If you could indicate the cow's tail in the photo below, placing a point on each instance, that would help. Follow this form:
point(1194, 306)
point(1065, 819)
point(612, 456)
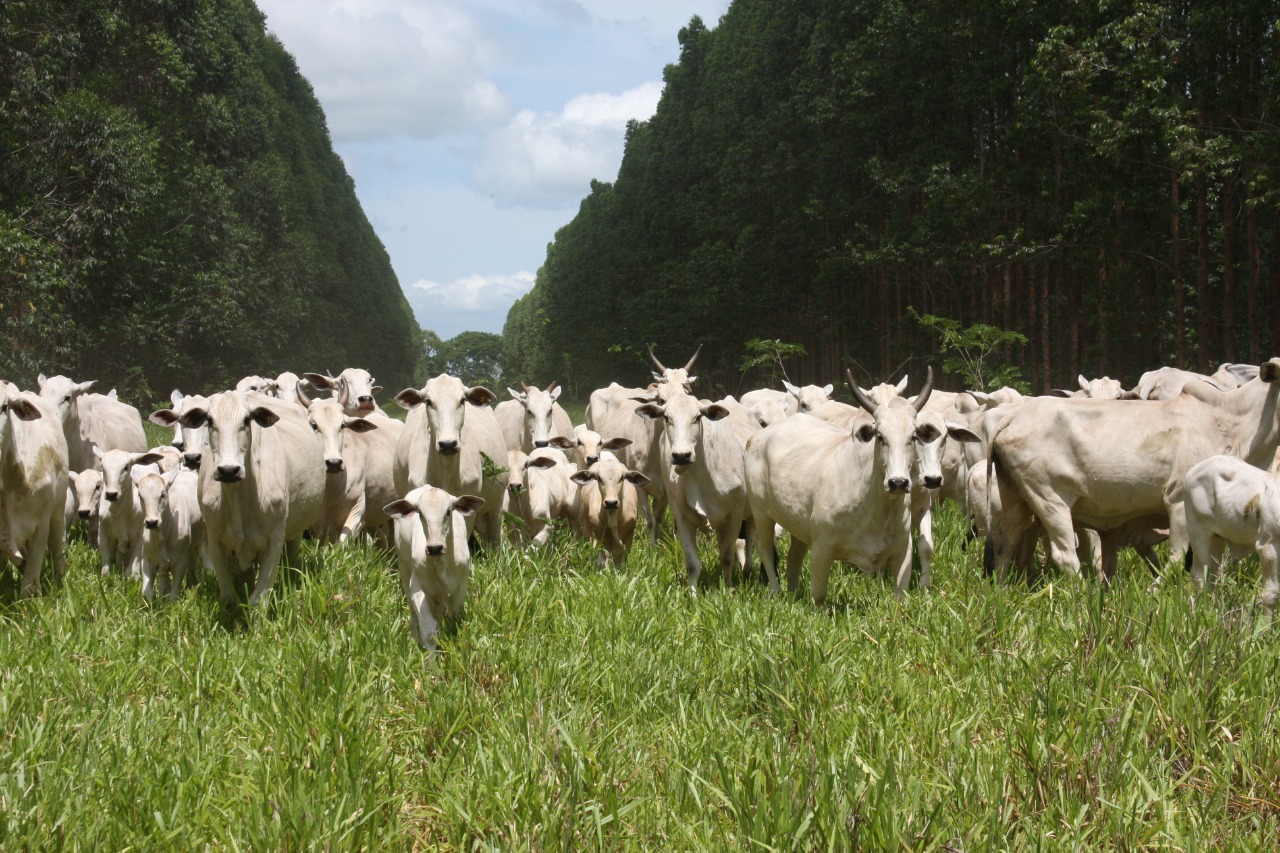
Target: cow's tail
point(988, 549)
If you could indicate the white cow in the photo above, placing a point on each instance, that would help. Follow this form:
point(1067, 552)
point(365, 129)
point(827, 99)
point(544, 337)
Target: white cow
point(604, 401)
point(1230, 502)
point(447, 436)
point(191, 440)
point(353, 388)
point(607, 502)
point(1105, 464)
point(587, 445)
point(357, 457)
point(261, 485)
point(33, 485)
point(841, 495)
point(675, 377)
point(87, 485)
point(287, 385)
point(701, 470)
point(539, 490)
point(433, 556)
point(120, 510)
point(172, 529)
point(532, 418)
point(92, 420)
point(258, 385)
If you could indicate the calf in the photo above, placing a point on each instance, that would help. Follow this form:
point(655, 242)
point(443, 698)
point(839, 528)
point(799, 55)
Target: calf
point(172, 529)
point(1230, 502)
point(120, 510)
point(433, 556)
point(88, 490)
point(352, 461)
point(607, 505)
point(539, 490)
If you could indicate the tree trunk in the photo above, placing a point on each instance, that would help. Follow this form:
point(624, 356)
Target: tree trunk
point(1202, 273)
point(1229, 269)
point(1179, 289)
point(1255, 313)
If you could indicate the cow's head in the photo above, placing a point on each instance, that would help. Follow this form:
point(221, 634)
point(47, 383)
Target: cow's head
point(228, 418)
point(353, 388)
point(682, 417)
point(587, 445)
point(610, 476)
point(433, 510)
point(809, 397)
point(153, 494)
point(931, 434)
point(1269, 371)
point(675, 377)
point(538, 406)
point(190, 440)
point(892, 429)
point(116, 465)
point(88, 486)
point(61, 393)
point(444, 398)
point(331, 423)
point(515, 472)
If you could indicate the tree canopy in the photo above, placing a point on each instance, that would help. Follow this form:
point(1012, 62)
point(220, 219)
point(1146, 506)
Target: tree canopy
point(1099, 178)
point(171, 209)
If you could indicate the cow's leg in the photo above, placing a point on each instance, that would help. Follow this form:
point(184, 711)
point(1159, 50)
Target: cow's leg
point(106, 549)
point(795, 559)
point(924, 545)
point(268, 567)
point(1055, 516)
point(766, 545)
point(1270, 584)
point(902, 569)
point(148, 579)
point(727, 540)
point(135, 558)
point(1091, 548)
point(688, 535)
point(178, 574)
point(220, 562)
point(35, 560)
point(58, 543)
point(820, 571)
point(1010, 518)
point(421, 616)
point(1177, 529)
point(650, 523)
point(354, 521)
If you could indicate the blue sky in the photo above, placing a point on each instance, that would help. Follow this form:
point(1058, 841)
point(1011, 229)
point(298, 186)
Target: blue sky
point(473, 128)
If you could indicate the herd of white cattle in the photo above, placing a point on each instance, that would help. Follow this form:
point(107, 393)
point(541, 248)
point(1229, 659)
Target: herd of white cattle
point(1182, 456)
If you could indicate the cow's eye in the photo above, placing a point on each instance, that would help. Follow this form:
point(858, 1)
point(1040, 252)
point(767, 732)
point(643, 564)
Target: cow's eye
point(314, 428)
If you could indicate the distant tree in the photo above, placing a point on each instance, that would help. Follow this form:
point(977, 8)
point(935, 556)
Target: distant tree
point(970, 353)
point(473, 357)
point(430, 362)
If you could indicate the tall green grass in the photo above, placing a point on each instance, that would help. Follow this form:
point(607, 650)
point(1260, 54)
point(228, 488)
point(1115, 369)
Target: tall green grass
point(585, 708)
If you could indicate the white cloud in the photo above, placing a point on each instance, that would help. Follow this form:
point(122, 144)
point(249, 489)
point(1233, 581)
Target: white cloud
point(383, 68)
point(477, 292)
point(549, 159)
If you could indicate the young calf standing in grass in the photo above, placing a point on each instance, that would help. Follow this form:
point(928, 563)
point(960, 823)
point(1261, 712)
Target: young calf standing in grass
point(435, 562)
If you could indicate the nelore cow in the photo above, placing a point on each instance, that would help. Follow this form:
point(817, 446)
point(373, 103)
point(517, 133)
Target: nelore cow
point(449, 433)
point(1105, 464)
point(33, 485)
point(358, 454)
point(261, 485)
point(120, 512)
point(607, 501)
point(172, 530)
point(532, 418)
point(539, 491)
point(1230, 502)
point(433, 556)
point(91, 420)
point(190, 440)
point(700, 461)
point(842, 494)
point(353, 388)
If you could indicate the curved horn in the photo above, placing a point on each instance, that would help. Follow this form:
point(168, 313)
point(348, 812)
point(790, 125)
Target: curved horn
point(524, 388)
point(551, 387)
point(923, 396)
point(689, 366)
point(302, 396)
point(654, 358)
point(862, 399)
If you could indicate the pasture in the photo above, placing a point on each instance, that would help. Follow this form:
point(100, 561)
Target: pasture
point(586, 708)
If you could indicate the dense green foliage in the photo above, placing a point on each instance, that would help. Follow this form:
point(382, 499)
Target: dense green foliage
point(171, 210)
point(1100, 177)
point(581, 708)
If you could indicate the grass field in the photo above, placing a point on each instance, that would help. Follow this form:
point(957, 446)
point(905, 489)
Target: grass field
point(584, 708)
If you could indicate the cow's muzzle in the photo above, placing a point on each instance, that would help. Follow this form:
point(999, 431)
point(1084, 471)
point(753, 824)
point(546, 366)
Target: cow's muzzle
point(613, 504)
point(898, 484)
point(229, 474)
point(192, 460)
point(448, 448)
point(682, 458)
point(152, 523)
point(515, 488)
point(435, 550)
point(933, 482)
point(86, 513)
point(333, 466)
point(112, 496)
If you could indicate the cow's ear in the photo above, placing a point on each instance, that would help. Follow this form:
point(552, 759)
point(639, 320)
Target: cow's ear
point(171, 476)
point(555, 393)
point(319, 381)
point(24, 409)
point(962, 433)
point(1060, 392)
point(1269, 371)
point(827, 389)
point(468, 504)
point(97, 451)
point(40, 380)
point(149, 458)
point(541, 462)
point(715, 412)
point(636, 479)
point(359, 425)
point(652, 411)
point(73, 476)
point(563, 443)
point(616, 444)
point(376, 389)
point(865, 433)
point(582, 477)
point(518, 396)
point(194, 418)
point(410, 398)
point(791, 389)
point(480, 396)
point(263, 417)
point(400, 509)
